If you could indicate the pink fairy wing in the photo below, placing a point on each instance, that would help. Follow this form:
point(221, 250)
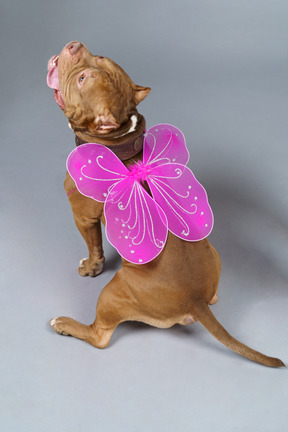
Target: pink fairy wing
point(95, 169)
point(183, 199)
point(163, 144)
point(135, 225)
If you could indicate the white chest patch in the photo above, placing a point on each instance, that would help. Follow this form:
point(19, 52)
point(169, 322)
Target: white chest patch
point(134, 123)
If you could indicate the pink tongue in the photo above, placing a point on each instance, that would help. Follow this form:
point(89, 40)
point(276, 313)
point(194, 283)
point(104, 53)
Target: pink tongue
point(52, 78)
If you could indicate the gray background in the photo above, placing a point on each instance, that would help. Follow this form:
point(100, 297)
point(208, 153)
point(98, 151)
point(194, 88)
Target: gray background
point(218, 71)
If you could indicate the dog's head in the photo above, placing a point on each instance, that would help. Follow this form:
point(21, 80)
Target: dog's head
point(94, 93)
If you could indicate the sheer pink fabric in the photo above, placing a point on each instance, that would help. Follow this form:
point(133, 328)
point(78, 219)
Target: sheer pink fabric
point(137, 223)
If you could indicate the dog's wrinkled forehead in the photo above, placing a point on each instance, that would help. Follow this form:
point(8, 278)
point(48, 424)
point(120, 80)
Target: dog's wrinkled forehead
point(74, 59)
point(91, 88)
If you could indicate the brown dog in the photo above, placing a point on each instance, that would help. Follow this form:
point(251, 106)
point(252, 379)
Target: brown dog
point(100, 102)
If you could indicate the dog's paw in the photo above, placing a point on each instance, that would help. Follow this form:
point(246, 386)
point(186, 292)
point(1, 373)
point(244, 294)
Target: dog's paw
point(87, 269)
point(58, 325)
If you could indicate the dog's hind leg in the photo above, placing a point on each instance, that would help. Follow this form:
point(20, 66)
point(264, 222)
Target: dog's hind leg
point(214, 299)
point(93, 334)
point(113, 307)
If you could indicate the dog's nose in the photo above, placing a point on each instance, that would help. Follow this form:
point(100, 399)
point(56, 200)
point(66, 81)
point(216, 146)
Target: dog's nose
point(74, 47)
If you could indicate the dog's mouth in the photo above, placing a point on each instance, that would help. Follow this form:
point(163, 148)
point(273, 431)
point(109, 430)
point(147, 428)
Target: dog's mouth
point(53, 80)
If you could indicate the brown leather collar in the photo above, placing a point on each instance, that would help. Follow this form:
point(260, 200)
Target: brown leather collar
point(126, 146)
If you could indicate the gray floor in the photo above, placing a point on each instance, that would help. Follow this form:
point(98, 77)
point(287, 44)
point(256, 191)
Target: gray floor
point(218, 71)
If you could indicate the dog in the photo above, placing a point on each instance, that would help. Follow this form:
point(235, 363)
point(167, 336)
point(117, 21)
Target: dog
point(100, 101)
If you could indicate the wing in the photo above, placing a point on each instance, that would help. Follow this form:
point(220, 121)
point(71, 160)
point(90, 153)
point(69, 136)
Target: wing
point(183, 199)
point(135, 225)
point(95, 170)
point(164, 143)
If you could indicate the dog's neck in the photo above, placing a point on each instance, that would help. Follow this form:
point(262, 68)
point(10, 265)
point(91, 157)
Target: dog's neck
point(126, 142)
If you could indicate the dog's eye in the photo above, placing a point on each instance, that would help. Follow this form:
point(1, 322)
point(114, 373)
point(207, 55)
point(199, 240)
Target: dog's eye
point(81, 78)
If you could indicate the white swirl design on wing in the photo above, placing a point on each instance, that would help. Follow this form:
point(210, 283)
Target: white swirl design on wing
point(137, 221)
point(157, 157)
point(117, 174)
point(140, 220)
point(158, 184)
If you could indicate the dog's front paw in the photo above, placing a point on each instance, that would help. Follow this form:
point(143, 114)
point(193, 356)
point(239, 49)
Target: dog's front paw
point(87, 269)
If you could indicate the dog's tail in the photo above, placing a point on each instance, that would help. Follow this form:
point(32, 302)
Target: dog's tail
point(204, 315)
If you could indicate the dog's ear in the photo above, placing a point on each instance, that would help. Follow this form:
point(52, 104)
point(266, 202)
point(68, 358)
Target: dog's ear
point(104, 123)
point(140, 93)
